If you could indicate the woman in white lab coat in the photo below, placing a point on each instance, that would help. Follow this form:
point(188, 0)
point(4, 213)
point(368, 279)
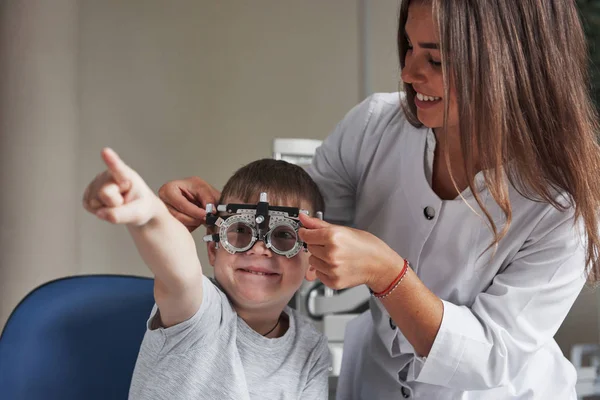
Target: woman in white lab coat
point(474, 200)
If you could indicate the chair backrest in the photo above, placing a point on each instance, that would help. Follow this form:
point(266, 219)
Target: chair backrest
point(75, 338)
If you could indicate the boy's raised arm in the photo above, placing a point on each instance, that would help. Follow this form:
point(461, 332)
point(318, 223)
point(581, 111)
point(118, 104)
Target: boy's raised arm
point(120, 196)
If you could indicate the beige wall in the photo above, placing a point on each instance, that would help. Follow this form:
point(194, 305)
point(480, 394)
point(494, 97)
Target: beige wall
point(178, 88)
point(202, 87)
point(39, 143)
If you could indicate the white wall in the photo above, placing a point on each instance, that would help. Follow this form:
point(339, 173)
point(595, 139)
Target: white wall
point(179, 88)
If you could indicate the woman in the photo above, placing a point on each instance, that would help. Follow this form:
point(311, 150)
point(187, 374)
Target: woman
point(476, 198)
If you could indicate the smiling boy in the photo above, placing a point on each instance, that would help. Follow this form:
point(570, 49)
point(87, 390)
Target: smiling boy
point(234, 337)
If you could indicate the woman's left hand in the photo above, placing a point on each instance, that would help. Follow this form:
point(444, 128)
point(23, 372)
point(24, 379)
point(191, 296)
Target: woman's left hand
point(345, 257)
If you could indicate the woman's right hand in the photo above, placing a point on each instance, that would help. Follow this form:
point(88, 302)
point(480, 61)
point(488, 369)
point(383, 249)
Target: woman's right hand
point(187, 198)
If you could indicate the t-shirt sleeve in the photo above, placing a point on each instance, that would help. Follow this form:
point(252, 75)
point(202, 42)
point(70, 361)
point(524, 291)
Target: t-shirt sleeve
point(317, 386)
point(214, 312)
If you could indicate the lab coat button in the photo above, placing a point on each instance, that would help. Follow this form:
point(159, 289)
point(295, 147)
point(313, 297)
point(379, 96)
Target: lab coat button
point(405, 392)
point(392, 324)
point(429, 212)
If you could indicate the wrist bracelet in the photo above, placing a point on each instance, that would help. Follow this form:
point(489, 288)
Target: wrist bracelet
point(394, 283)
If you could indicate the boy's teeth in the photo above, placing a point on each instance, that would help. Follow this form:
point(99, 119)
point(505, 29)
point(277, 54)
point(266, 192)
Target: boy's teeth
point(256, 272)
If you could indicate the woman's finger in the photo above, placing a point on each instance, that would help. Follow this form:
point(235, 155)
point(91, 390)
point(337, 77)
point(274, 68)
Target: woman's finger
point(321, 252)
point(319, 237)
point(319, 264)
point(182, 201)
point(329, 281)
point(201, 195)
point(312, 223)
point(188, 221)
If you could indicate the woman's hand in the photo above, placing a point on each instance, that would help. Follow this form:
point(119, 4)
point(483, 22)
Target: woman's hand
point(187, 198)
point(346, 257)
point(119, 195)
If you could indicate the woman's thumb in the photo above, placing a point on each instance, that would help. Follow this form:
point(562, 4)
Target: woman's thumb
point(312, 223)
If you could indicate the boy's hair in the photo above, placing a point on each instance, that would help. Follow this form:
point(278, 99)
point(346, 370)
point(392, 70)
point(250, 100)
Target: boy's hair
point(284, 183)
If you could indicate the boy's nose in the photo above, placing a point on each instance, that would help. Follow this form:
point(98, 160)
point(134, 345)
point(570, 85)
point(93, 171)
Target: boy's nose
point(260, 249)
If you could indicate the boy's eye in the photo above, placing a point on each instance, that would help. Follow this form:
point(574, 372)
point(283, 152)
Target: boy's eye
point(283, 238)
point(239, 229)
point(239, 235)
point(284, 235)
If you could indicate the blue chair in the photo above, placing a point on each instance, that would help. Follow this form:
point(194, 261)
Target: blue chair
point(75, 338)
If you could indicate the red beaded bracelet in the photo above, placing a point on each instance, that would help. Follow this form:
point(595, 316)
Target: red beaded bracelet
point(394, 283)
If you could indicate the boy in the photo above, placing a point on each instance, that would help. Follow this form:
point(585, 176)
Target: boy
point(235, 338)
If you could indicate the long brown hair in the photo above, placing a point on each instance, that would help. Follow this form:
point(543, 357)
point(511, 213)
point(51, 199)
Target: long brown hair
point(520, 69)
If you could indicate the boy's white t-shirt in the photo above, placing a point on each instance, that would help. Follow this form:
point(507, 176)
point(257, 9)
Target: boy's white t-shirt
point(216, 355)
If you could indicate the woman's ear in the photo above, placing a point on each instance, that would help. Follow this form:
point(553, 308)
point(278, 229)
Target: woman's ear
point(311, 273)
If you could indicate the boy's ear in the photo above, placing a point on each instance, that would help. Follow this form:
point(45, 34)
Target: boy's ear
point(211, 248)
point(311, 273)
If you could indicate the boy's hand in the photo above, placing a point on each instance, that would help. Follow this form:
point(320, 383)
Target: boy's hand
point(119, 195)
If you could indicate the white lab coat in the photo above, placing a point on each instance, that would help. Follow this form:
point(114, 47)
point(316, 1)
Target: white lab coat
point(500, 313)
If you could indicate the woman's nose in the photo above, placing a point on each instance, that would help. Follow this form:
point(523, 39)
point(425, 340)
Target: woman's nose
point(413, 71)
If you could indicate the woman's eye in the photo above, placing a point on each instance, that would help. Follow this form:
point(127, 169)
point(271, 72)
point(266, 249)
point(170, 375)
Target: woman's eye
point(435, 63)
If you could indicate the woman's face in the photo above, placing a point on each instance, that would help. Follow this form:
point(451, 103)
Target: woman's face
point(423, 68)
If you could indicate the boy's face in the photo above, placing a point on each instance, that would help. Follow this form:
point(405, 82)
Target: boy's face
point(260, 278)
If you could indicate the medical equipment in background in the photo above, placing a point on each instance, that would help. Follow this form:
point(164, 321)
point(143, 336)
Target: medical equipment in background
point(330, 310)
point(295, 151)
point(588, 375)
